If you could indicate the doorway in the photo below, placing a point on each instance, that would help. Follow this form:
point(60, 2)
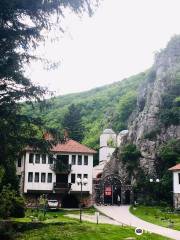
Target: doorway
point(112, 190)
point(112, 195)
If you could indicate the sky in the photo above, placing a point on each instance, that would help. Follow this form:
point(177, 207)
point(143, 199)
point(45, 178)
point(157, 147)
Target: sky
point(118, 41)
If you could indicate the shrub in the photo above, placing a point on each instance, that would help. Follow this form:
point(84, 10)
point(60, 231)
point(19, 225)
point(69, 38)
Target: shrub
point(18, 207)
point(130, 157)
point(170, 109)
point(11, 204)
point(170, 116)
point(152, 135)
point(6, 231)
point(41, 217)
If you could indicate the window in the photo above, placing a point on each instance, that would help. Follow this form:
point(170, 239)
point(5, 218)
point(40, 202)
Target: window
point(37, 158)
point(43, 177)
point(79, 176)
point(179, 177)
point(50, 159)
point(43, 158)
point(30, 176)
point(79, 160)
point(85, 176)
point(19, 162)
point(49, 178)
point(73, 177)
point(31, 158)
point(73, 159)
point(36, 179)
point(85, 160)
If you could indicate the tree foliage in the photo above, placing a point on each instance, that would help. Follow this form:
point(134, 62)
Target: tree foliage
point(125, 107)
point(169, 154)
point(21, 26)
point(170, 109)
point(72, 123)
point(130, 155)
point(11, 204)
point(108, 106)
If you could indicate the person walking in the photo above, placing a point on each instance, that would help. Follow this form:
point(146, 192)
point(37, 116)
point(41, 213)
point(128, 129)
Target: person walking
point(118, 200)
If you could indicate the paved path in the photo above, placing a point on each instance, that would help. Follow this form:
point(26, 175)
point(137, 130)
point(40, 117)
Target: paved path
point(122, 215)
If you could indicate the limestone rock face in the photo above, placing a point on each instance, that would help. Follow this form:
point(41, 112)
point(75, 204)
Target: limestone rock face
point(145, 119)
point(114, 166)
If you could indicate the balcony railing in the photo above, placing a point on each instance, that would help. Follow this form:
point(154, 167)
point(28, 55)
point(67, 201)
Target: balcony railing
point(59, 167)
point(63, 187)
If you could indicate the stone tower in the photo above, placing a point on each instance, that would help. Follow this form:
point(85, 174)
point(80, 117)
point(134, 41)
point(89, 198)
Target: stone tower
point(107, 144)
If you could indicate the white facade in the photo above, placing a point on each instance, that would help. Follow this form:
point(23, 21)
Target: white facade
point(176, 182)
point(40, 176)
point(83, 170)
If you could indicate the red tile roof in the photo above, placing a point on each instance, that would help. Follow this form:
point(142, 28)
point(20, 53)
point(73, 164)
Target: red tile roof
point(70, 146)
point(175, 168)
point(73, 147)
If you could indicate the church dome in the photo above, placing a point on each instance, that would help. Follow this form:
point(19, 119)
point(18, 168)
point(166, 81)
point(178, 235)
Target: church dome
point(108, 131)
point(123, 132)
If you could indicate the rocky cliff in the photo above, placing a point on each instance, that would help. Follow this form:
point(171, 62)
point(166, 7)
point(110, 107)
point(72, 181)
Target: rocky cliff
point(146, 128)
point(150, 126)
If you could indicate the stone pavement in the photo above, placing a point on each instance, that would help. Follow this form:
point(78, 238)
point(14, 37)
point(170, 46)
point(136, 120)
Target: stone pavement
point(121, 215)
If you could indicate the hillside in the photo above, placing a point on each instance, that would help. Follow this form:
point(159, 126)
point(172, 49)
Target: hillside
point(110, 105)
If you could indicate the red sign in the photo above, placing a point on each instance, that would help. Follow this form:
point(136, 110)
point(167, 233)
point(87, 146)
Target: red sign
point(108, 191)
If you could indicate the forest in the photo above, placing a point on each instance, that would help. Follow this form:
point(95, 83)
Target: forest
point(99, 108)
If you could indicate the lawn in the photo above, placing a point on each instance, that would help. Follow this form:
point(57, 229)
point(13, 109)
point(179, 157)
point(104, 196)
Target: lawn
point(58, 227)
point(84, 231)
point(52, 216)
point(158, 215)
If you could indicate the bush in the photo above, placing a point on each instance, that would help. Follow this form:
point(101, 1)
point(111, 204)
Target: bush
point(170, 116)
point(18, 207)
point(11, 204)
point(170, 109)
point(41, 217)
point(6, 231)
point(152, 135)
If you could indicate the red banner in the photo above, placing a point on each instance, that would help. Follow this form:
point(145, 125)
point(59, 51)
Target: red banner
point(108, 191)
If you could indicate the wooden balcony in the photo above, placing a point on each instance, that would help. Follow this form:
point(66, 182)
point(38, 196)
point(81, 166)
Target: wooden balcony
point(59, 167)
point(61, 187)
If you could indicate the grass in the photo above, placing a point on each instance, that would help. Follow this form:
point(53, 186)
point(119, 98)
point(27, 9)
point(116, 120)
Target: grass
point(59, 227)
point(157, 215)
point(83, 231)
point(52, 216)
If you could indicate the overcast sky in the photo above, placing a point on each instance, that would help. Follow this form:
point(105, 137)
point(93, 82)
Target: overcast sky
point(118, 41)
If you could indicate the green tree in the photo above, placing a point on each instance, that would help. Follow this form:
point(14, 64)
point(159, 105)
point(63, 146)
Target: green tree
point(125, 107)
point(72, 123)
point(10, 203)
point(170, 109)
point(21, 26)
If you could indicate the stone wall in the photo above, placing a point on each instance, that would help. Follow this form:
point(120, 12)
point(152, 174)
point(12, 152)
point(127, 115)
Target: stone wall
point(176, 200)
